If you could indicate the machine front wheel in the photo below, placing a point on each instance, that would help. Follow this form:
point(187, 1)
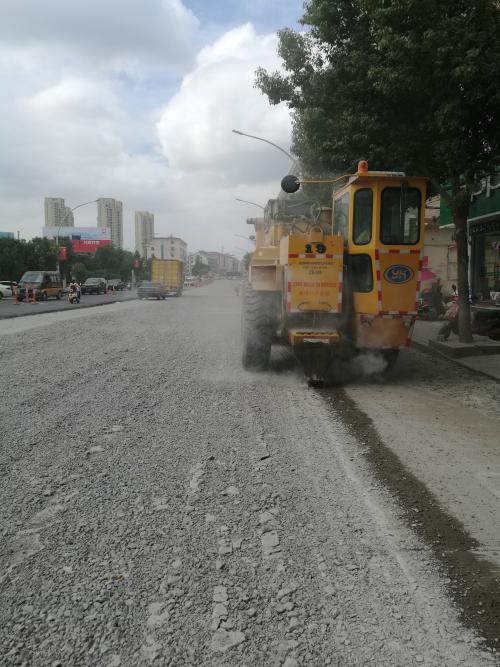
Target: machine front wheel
point(390, 357)
point(257, 329)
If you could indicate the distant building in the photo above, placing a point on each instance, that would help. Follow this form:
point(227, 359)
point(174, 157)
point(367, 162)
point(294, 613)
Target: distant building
point(194, 258)
point(144, 231)
point(57, 214)
point(110, 216)
point(6, 235)
point(168, 247)
point(222, 263)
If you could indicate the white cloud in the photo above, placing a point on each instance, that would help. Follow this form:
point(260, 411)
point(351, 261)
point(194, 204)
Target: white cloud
point(217, 96)
point(120, 33)
point(73, 132)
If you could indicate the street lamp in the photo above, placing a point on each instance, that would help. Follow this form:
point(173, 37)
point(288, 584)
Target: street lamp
point(252, 136)
point(71, 211)
point(247, 238)
point(93, 201)
point(245, 201)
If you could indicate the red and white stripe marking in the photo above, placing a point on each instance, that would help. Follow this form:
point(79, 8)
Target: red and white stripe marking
point(340, 288)
point(289, 296)
point(394, 251)
point(419, 281)
point(379, 279)
point(313, 255)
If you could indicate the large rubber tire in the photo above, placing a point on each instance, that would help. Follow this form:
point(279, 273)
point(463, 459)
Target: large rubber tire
point(257, 328)
point(390, 357)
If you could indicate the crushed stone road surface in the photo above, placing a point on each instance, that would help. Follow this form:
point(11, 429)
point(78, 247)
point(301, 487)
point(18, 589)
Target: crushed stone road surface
point(162, 506)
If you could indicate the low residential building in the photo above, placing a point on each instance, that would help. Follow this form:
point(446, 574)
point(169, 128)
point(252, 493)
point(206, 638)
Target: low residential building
point(223, 263)
point(167, 247)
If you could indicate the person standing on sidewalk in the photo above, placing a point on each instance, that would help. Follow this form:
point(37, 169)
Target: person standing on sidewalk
point(450, 321)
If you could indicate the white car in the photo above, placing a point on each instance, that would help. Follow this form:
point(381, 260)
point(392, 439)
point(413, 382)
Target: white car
point(5, 289)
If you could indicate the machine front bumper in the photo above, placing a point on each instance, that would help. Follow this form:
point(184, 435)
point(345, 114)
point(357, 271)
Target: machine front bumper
point(304, 337)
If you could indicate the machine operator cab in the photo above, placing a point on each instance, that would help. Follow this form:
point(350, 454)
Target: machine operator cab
point(380, 217)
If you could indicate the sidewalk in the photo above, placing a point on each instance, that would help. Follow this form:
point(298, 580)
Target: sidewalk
point(482, 356)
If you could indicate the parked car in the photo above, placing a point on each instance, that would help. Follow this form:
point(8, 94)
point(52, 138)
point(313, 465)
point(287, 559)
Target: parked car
point(116, 283)
point(46, 284)
point(149, 290)
point(94, 286)
point(6, 289)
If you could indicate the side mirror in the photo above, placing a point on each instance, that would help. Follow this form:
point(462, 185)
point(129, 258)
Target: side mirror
point(290, 184)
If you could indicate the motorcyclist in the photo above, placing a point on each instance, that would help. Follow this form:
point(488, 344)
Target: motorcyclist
point(74, 288)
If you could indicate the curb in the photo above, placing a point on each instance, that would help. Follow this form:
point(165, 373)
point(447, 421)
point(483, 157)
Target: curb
point(455, 360)
point(62, 310)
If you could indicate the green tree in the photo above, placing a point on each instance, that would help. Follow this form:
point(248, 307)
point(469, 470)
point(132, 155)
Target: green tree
point(42, 254)
point(112, 262)
point(199, 269)
point(13, 259)
point(80, 271)
point(406, 84)
point(247, 258)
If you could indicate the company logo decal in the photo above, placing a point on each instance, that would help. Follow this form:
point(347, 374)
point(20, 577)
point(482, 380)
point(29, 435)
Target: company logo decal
point(397, 274)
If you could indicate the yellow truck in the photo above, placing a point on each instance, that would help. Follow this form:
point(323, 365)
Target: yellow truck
point(169, 273)
point(341, 281)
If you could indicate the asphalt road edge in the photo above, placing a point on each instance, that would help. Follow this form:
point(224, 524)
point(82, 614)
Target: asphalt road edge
point(48, 312)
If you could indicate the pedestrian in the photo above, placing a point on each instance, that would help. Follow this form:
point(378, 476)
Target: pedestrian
point(450, 321)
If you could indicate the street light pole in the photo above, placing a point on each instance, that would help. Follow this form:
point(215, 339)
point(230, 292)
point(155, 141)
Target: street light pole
point(93, 201)
point(247, 238)
point(266, 141)
point(245, 201)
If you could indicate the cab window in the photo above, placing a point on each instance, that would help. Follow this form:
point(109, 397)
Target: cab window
point(363, 208)
point(341, 215)
point(400, 215)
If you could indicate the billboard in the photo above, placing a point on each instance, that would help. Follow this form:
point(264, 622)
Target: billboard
point(89, 245)
point(77, 233)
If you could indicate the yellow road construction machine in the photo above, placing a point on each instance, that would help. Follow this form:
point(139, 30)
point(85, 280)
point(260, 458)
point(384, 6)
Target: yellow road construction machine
point(339, 281)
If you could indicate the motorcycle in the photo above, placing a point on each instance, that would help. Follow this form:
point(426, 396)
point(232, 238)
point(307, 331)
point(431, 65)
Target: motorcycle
point(430, 304)
point(74, 297)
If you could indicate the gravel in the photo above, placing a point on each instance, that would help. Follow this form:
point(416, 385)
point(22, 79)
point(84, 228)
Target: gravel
point(197, 514)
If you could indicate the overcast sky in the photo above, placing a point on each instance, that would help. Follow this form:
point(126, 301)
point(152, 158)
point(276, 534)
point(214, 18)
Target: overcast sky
point(136, 100)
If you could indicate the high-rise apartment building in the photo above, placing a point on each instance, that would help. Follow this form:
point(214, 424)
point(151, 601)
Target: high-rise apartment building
point(57, 214)
point(110, 216)
point(144, 231)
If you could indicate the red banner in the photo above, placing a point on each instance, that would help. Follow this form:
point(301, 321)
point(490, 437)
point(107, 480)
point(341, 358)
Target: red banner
point(89, 245)
point(62, 254)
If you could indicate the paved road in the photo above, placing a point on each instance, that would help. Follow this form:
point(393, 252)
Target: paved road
point(162, 506)
point(8, 309)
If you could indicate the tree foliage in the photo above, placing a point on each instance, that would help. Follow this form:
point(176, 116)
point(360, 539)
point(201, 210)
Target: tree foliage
point(407, 84)
point(199, 269)
point(16, 257)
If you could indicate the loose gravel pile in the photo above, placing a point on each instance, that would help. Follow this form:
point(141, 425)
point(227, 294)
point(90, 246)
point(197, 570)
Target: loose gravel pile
point(162, 506)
